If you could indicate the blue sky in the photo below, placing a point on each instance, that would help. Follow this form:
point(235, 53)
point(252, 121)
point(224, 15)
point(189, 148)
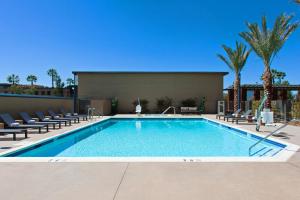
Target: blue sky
point(139, 35)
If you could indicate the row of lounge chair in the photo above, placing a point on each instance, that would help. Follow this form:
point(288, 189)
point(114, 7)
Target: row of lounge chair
point(41, 122)
point(236, 116)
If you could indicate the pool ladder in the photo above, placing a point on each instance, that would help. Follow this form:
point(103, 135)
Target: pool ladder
point(266, 137)
point(170, 107)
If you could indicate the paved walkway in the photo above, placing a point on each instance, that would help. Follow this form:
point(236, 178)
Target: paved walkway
point(130, 181)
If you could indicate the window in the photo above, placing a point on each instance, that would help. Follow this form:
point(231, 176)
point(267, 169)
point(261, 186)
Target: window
point(49, 93)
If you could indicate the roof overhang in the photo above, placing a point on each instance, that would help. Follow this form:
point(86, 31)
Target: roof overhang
point(148, 72)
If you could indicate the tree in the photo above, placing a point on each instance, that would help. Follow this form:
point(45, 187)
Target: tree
point(267, 43)
point(13, 79)
point(70, 82)
point(59, 85)
point(53, 74)
point(277, 77)
point(236, 61)
point(32, 79)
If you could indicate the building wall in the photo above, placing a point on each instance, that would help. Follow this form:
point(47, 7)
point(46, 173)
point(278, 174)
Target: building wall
point(127, 87)
point(14, 104)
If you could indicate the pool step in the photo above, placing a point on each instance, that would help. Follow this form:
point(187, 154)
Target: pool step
point(268, 152)
point(265, 152)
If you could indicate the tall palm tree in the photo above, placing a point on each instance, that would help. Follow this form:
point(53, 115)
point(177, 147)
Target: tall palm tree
point(267, 42)
point(53, 74)
point(32, 79)
point(236, 61)
point(13, 79)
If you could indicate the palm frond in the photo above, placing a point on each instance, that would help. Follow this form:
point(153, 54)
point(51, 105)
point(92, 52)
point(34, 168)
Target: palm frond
point(265, 42)
point(236, 57)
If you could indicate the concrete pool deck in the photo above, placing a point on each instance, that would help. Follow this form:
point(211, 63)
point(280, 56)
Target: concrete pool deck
point(151, 180)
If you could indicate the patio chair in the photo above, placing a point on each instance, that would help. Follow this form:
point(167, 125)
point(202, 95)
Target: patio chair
point(230, 116)
point(63, 111)
point(28, 120)
point(11, 123)
point(43, 118)
point(57, 116)
point(243, 117)
point(14, 132)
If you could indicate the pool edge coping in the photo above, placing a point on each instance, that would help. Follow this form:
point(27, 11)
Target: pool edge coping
point(283, 156)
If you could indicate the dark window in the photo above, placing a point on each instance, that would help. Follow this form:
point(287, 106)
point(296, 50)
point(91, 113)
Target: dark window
point(43, 93)
point(36, 93)
point(49, 93)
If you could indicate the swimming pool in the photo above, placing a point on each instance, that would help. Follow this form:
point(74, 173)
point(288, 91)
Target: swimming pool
point(153, 137)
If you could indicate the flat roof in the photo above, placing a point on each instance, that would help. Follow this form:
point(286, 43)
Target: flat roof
point(260, 86)
point(148, 72)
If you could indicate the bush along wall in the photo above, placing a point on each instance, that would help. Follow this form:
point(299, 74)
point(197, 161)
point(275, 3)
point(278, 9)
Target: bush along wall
point(296, 110)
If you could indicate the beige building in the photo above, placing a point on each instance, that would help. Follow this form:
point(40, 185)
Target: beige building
point(128, 86)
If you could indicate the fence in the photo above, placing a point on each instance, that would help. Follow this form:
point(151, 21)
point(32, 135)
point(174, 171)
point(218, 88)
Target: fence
point(13, 104)
point(283, 110)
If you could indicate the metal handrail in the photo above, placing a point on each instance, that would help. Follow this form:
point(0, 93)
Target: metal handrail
point(174, 108)
point(91, 112)
point(266, 137)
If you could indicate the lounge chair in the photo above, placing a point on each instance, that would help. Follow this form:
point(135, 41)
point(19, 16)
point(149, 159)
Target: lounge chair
point(43, 118)
point(11, 123)
point(57, 116)
point(243, 117)
point(28, 120)
point(84, 117)
point(230, 116)
point(14, 132)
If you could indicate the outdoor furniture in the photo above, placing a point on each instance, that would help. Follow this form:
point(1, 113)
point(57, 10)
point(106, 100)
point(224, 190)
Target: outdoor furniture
point(28, 120)
point(43, 118)
point(84, 117)
point(11, 123)
point(189, 110)
point(14, 132)
point(69, 115)
point(244, 117)
point(230, 116)
point(57, 116)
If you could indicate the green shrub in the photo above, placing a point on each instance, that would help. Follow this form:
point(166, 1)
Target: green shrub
point(114, 106)
point(255, 105)
point(296, 110)
point(191, 102)
point(202, 105)
point(163, 103)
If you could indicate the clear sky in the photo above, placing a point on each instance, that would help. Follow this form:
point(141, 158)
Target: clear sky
point(139, 35)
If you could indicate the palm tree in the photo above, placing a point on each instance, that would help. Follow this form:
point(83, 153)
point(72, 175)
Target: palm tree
point(32, 79)
point(53, 74)
point(13, 79)
point(70, 82)
point(236, 61)
point(267, 42)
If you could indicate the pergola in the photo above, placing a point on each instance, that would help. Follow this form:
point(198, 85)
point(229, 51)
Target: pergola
point(280, 92)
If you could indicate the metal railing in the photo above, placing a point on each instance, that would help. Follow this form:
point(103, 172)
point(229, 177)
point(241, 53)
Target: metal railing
point(92, 112)
point(266, 137)
point(170, 107)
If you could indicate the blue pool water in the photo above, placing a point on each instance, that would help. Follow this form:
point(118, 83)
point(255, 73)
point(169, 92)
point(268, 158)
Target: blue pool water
point(152, 138)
